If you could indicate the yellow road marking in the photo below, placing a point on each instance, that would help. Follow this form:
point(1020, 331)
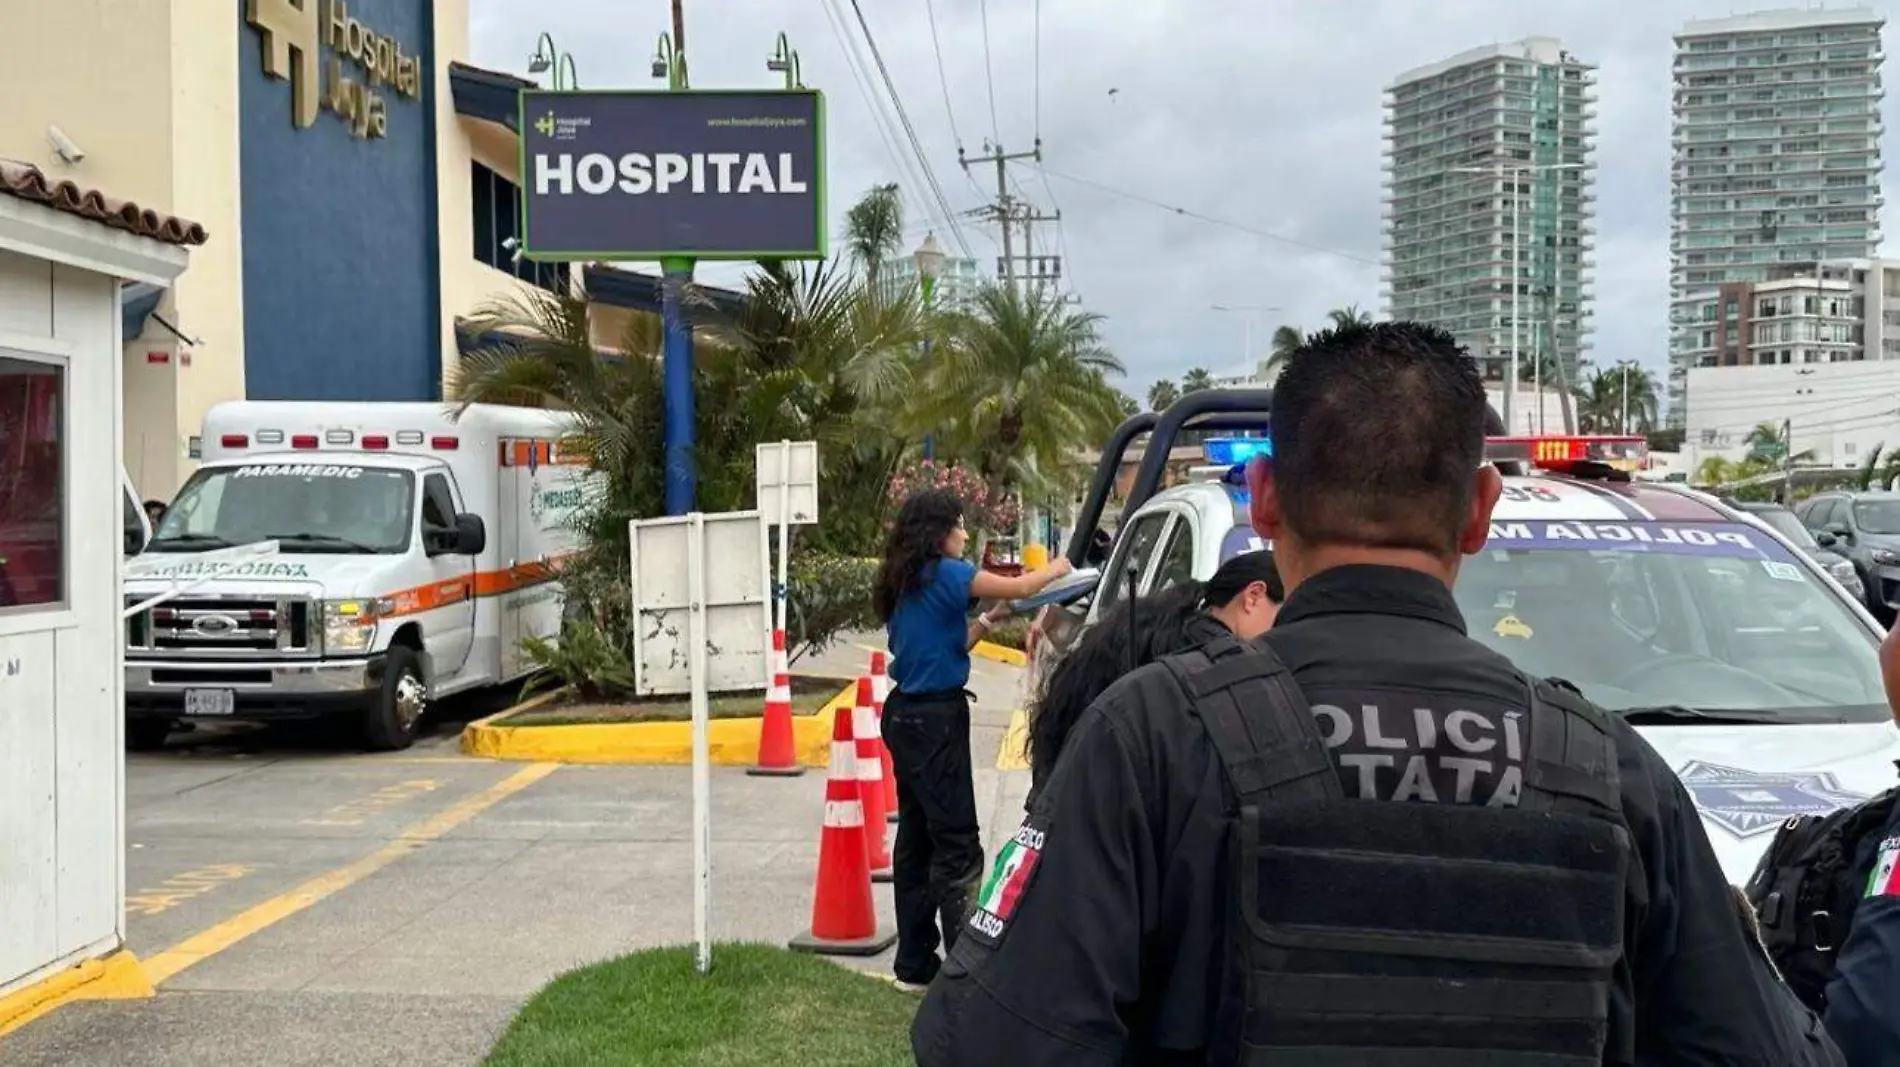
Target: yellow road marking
point(1012, 755)
point(216, 939)
point(356, 812)
point(179, 888)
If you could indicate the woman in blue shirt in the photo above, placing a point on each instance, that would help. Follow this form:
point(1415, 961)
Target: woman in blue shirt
point(923, 596)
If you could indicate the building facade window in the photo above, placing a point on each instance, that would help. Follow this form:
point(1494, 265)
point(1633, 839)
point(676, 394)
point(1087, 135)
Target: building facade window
point(33, 545)
point(498, 221)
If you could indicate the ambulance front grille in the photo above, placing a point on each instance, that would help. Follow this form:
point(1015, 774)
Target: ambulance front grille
point(213, 627)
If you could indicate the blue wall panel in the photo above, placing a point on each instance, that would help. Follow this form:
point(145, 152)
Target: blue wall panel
point(342, 287)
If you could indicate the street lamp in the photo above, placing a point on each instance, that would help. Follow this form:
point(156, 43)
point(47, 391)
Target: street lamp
point(1498, 170)
point(929, 259)
point(785, 61)
point(669, 63)
point(1246, 313)
point(546, 57)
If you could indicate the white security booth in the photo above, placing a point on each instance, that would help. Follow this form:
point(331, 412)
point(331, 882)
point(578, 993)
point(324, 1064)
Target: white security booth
point(64, 252)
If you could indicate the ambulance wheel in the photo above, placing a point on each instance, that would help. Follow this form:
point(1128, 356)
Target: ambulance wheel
point(397, 714)
point(147, 735)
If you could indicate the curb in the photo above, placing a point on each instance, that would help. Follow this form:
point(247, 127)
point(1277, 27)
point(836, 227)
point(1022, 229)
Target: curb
point(999, 653)
point(114, 977)
point(730, 742)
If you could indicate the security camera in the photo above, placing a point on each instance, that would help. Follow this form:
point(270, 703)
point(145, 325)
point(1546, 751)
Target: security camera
point(64, 145)
point(510, 243)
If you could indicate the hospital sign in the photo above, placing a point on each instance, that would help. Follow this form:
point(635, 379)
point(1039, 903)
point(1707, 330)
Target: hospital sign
point(652, 175)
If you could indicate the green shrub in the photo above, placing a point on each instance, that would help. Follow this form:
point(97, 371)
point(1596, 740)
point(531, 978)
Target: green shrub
point(1010, 633)
point(585, 660)
point(830, 596)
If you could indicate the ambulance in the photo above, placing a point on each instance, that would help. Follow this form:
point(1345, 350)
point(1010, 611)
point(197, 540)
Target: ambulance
point(1745, 663)
point(415, 551)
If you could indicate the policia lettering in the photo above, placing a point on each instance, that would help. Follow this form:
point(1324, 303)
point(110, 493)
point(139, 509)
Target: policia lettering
point(290, 32)
point(1486, 932)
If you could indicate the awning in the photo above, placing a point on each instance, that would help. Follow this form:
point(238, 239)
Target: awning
point(488, 95)
point(137, 301)
point(641, 292)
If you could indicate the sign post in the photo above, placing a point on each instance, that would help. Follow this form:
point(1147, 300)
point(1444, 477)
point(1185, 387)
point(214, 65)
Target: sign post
point(786, 477)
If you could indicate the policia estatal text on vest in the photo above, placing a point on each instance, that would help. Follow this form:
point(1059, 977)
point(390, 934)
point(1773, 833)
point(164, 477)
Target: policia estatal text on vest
point(1365, 838)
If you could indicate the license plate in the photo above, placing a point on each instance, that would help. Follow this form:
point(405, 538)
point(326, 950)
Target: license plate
point(209, 702)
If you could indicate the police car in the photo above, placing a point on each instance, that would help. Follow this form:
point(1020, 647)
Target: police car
point(1746, 664)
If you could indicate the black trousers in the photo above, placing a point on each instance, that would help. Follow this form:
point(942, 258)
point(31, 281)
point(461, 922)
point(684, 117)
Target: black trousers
point(938, 859)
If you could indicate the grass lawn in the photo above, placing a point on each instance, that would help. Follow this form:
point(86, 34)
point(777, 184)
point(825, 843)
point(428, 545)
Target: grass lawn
point(760, 1007)
point(808, 695)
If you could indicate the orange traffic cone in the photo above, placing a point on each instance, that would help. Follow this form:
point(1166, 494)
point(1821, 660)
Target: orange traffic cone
point(778, 755)
point(843, 921)
point(870, 770)
point(881, 688)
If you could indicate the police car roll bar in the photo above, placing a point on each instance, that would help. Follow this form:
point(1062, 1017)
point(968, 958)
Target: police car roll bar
point(1103, 482)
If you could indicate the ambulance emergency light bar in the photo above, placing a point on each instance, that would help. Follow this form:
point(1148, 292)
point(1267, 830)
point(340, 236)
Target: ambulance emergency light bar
point(1565, 452)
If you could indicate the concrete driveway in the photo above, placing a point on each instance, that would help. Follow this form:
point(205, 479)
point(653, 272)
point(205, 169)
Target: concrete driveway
point(300, 903)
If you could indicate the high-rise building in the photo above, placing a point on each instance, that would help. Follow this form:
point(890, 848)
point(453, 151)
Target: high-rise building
point(958, 280)
point(1488, 171)
point(1777, 161)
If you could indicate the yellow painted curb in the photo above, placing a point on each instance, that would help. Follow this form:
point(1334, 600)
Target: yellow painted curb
point(1012, 754)
point(731, 742)
point(116, 977)
point(1000, 653)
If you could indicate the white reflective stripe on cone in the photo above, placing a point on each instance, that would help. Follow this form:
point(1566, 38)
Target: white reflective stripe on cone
point(870, 769)
point(779, 694)
point(863, 723)
point(844, 759)
point(844, 814)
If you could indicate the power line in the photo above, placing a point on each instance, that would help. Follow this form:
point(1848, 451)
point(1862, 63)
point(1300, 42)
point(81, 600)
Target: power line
point(989, 76)
point(1038, 70)
point(1210, 219)
point(906, 173)
point(943, 82)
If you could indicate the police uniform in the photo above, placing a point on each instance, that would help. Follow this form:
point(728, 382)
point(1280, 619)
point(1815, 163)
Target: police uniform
point(1107, 933)
point(1866, 983)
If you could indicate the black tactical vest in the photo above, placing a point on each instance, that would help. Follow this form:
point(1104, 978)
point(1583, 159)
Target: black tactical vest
point(1411, 934)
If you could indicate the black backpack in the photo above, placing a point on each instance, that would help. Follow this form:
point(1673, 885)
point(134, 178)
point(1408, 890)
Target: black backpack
point(1807, 886)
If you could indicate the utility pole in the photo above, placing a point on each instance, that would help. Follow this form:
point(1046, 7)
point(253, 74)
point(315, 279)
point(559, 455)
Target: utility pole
point(1041, 270)
point(1007, 210)
point(1787, 461)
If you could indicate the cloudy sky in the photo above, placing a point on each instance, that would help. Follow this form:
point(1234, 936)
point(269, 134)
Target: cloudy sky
point(1263, 115)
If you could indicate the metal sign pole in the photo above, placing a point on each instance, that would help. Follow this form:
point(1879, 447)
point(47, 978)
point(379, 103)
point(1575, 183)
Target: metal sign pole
point(784, 531)
point(702, 762)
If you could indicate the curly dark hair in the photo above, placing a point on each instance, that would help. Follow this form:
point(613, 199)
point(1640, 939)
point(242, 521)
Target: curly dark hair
point(915, 541)
point(1165, 622)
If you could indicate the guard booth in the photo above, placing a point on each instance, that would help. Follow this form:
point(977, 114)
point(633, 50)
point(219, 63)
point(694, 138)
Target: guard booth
point(64, 252)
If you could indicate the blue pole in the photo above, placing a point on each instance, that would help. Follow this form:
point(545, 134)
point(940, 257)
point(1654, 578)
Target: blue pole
point(678, 363)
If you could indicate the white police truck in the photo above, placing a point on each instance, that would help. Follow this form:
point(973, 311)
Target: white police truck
point(1744, 662)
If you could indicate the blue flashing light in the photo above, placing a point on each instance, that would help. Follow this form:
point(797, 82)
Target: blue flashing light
point(1234, 451)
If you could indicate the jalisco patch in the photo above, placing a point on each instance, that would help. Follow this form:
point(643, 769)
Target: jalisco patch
point(1751, 803)
point(1008, 880)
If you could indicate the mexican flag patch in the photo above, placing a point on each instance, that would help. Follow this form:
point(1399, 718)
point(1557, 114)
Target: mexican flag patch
point(1885, 880)
point(1003, 890)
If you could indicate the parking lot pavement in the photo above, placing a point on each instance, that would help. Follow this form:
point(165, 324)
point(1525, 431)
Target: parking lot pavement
point(299, 902)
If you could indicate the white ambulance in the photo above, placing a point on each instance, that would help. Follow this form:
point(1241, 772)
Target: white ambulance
point(416, 551)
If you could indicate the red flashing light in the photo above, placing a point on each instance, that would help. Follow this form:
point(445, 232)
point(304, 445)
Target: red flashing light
point(445, 444)
point(304, 441)
point(375, 441)
point(1565, 452)
point(234, 440)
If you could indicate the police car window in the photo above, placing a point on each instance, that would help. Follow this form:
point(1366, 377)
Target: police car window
point(1137, 547)
point(1715, 616)
point(1177, 557)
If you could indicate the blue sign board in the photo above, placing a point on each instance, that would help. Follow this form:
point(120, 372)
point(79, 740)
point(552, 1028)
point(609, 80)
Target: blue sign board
point(654, 175)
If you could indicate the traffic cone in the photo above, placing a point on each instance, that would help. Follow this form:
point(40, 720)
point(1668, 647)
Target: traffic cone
point(843, 920)
point(870, 770)
point(778, 755)
point(881, 688)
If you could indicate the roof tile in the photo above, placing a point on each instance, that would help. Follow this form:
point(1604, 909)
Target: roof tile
point(28, 182)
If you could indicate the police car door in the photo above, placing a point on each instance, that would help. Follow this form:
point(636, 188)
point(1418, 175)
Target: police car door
point(1133, 557)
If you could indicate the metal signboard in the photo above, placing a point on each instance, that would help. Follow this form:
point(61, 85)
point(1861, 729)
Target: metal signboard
point(720, 174)
point(737, 614)
point(787, 482)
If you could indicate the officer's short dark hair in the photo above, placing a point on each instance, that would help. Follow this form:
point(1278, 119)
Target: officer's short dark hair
point(1377, 430)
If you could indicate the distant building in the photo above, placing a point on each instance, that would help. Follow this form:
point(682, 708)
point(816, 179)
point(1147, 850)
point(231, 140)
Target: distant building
point(1777, 162)
point(1455, 222)
point(958, 280)
point(1835, 412)
point(1802, 313)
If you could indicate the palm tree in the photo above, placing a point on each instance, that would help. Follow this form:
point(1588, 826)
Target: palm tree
point(1350, 315)
point(1603, 407)
point(1768, 443)
point(874, 230)
point(1196, 380)
point(1017, 384)
point(1163, 394)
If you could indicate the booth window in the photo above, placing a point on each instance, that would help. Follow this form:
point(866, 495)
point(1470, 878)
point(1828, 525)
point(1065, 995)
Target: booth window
point(497, 205)
point(32, 484)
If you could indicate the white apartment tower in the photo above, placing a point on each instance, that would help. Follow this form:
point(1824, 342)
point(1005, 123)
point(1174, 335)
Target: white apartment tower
point(1776, 162)
point(1488, 172)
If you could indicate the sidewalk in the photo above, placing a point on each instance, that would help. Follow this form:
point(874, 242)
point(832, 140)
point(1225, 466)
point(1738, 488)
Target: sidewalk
point(422, 960)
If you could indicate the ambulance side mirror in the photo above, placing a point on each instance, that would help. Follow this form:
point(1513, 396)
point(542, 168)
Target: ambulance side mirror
point(471, 535)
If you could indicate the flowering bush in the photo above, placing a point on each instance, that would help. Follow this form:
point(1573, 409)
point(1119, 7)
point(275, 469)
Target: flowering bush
point(984, 508)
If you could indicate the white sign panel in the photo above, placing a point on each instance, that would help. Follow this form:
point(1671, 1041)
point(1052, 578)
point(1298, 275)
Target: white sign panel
point(738, 615)
point(788, 481)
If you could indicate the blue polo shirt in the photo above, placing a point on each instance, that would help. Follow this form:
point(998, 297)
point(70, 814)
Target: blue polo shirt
point(929, 630)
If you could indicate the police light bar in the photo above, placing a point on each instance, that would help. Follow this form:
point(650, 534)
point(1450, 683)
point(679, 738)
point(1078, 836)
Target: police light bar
point(1564, 452)
point(1234, 451)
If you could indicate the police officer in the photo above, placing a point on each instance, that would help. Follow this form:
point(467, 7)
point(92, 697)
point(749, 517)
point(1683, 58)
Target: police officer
point(1204, 880)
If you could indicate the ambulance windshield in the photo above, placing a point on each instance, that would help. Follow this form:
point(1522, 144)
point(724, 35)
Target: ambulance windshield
point(1709, 616)
point(309, 507)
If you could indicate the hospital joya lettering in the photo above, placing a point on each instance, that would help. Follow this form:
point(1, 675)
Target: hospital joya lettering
point(294, 33)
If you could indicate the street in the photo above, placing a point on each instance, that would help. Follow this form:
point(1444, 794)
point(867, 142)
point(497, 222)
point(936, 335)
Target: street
point(301, 904)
